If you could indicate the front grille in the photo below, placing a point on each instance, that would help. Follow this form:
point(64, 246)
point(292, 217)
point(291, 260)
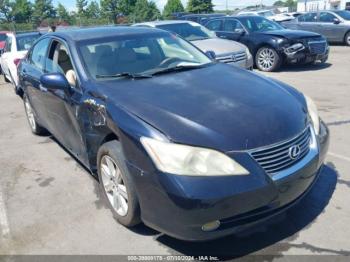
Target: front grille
point(277, 157)
point(232, 58)
point(318, 47)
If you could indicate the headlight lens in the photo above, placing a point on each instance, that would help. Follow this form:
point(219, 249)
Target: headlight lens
point(312, 108)
point(294, 48)
point(191, 161)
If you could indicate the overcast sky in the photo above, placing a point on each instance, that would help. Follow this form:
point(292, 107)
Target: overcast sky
point(219, 4)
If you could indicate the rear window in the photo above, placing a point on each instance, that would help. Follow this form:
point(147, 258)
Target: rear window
point(2, 37)
point(26, 42)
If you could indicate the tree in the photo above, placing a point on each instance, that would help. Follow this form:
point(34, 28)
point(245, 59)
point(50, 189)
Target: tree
point(22, 11)
point(145, 11)
point(63, 14)
point(6, 10)
point(172, 6)
point(109, 9)
point(93, 10)
point(292, 4)
point(200, 6)
point(43, 9)
point(126, 7)
point(279, 3)
point(81, 6)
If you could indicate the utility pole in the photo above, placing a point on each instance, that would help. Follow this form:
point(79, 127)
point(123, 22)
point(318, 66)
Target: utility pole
point(305, 5)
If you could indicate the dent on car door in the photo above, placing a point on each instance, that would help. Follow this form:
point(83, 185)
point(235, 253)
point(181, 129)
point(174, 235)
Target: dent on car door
point(64, 106)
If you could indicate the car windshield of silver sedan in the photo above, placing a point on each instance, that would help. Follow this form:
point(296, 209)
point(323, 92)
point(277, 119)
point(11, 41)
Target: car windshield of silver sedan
point(260, 24)
point(189, 31)
point(139, 57)
point(343, 14)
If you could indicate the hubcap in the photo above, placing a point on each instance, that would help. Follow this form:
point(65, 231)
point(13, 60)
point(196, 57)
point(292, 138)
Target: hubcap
point(114, 185)
point(30, 114)
point(348, 39)
point(266, 58)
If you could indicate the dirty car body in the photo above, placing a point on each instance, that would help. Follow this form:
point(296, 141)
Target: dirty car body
point(264, 139)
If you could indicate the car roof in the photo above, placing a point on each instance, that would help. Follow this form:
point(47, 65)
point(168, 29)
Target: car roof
point(101, 32)
point(165, 22)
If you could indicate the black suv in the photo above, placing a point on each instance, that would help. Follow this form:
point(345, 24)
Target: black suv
point(270, 43)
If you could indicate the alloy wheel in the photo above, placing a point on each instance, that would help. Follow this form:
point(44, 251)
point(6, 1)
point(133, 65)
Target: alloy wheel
point(266, 58)
point(113, 185)
point(30, 114)
point(348, 39)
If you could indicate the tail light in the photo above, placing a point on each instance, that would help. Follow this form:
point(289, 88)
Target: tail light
point(16, 61)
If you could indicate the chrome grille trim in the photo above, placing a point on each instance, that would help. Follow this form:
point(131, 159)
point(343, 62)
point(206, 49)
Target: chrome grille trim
point(275, 158)
point(232, 58)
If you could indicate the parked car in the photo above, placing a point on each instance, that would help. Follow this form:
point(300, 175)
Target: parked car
point(334, 25)
point(192, 148)
point(269, 14)
point(270, 44)
point(225, 51)
point(3, 37)
point(16, 47)
point(200, 18)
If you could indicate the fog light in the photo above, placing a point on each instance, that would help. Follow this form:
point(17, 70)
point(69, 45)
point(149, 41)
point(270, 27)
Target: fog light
point(211, 226)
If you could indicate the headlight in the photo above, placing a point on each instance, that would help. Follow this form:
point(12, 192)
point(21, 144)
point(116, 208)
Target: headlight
point(248, 54)
point(312, 108)
point(191, 161)
point(294, 48)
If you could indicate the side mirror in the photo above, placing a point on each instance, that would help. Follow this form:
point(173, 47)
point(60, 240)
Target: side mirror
point(336, 21)
point(55, 81)
point(211, 55)
point(240, 31)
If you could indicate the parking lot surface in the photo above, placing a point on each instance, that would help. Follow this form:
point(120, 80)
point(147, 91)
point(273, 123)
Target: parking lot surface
point(49, 204)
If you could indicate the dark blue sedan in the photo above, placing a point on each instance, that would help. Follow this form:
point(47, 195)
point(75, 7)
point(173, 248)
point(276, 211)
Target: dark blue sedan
point(190, 147)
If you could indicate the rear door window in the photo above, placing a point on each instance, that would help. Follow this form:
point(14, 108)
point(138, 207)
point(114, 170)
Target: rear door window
point(38, 55)
point(326, 17)
point(310, 17)
point(214, 25)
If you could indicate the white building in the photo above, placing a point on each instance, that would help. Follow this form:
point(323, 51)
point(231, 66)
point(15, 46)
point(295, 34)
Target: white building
point(314, 5)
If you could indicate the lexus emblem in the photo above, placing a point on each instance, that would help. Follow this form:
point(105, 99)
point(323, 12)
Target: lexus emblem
point(294, 152)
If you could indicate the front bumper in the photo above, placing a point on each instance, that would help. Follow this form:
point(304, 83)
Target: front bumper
point(305, 56)
point(180, 205)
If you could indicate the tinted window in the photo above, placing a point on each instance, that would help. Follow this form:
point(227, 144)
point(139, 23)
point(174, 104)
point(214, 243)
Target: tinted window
point(344, 14)
point(8, 44)
point(25, 42)
point(327, 17)
point(232, 25)
point(137, 54)
point(189, 31)
point(214, 25)
point(310, 17)
point(3, 37)
point(259, 24)
point(38, 54)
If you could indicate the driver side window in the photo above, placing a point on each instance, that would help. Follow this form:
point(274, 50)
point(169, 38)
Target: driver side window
point(59, 61)
point(233, 26)
point(326, 17)
point(214, 25)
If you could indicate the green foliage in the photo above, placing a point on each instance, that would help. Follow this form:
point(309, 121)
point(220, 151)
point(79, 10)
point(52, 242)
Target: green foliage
point(109, 9)
point(172, 6)
point(126, 7)
point(279, 3)
point(21, 11)
point(200, 6)
point(287, 3)
point(6, 10)
point(93, 10)
point(81, 6)
point(145, 11)
point(43, 10)
point(63, 14)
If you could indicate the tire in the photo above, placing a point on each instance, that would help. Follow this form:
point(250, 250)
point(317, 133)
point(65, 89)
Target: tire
point(347, 39)
point(33, 123)
point(117, 187)
point(6, 80)
point(267, 59)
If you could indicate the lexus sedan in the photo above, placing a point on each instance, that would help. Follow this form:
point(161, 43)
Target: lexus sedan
point(334, 25)
point(271, 44)
point(193, 148)
point(225, 51)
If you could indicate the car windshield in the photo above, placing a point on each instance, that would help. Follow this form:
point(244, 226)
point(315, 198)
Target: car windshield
point(138, 55)
point(259, 24)
point(26, 42)
point(189, 31)
point(266, 13)
point(343, 14)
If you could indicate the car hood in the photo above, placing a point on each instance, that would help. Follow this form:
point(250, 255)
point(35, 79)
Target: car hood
point(219, 46)
point(218, 106)
point(292, 34)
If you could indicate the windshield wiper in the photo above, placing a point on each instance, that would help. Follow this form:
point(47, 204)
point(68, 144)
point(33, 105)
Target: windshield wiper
point(125, 74)
point(179, 67)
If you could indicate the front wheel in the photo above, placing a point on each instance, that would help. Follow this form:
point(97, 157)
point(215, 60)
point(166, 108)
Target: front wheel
point(267, 59)
point(34, 126)
point(116, 184)
point(347, 39)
